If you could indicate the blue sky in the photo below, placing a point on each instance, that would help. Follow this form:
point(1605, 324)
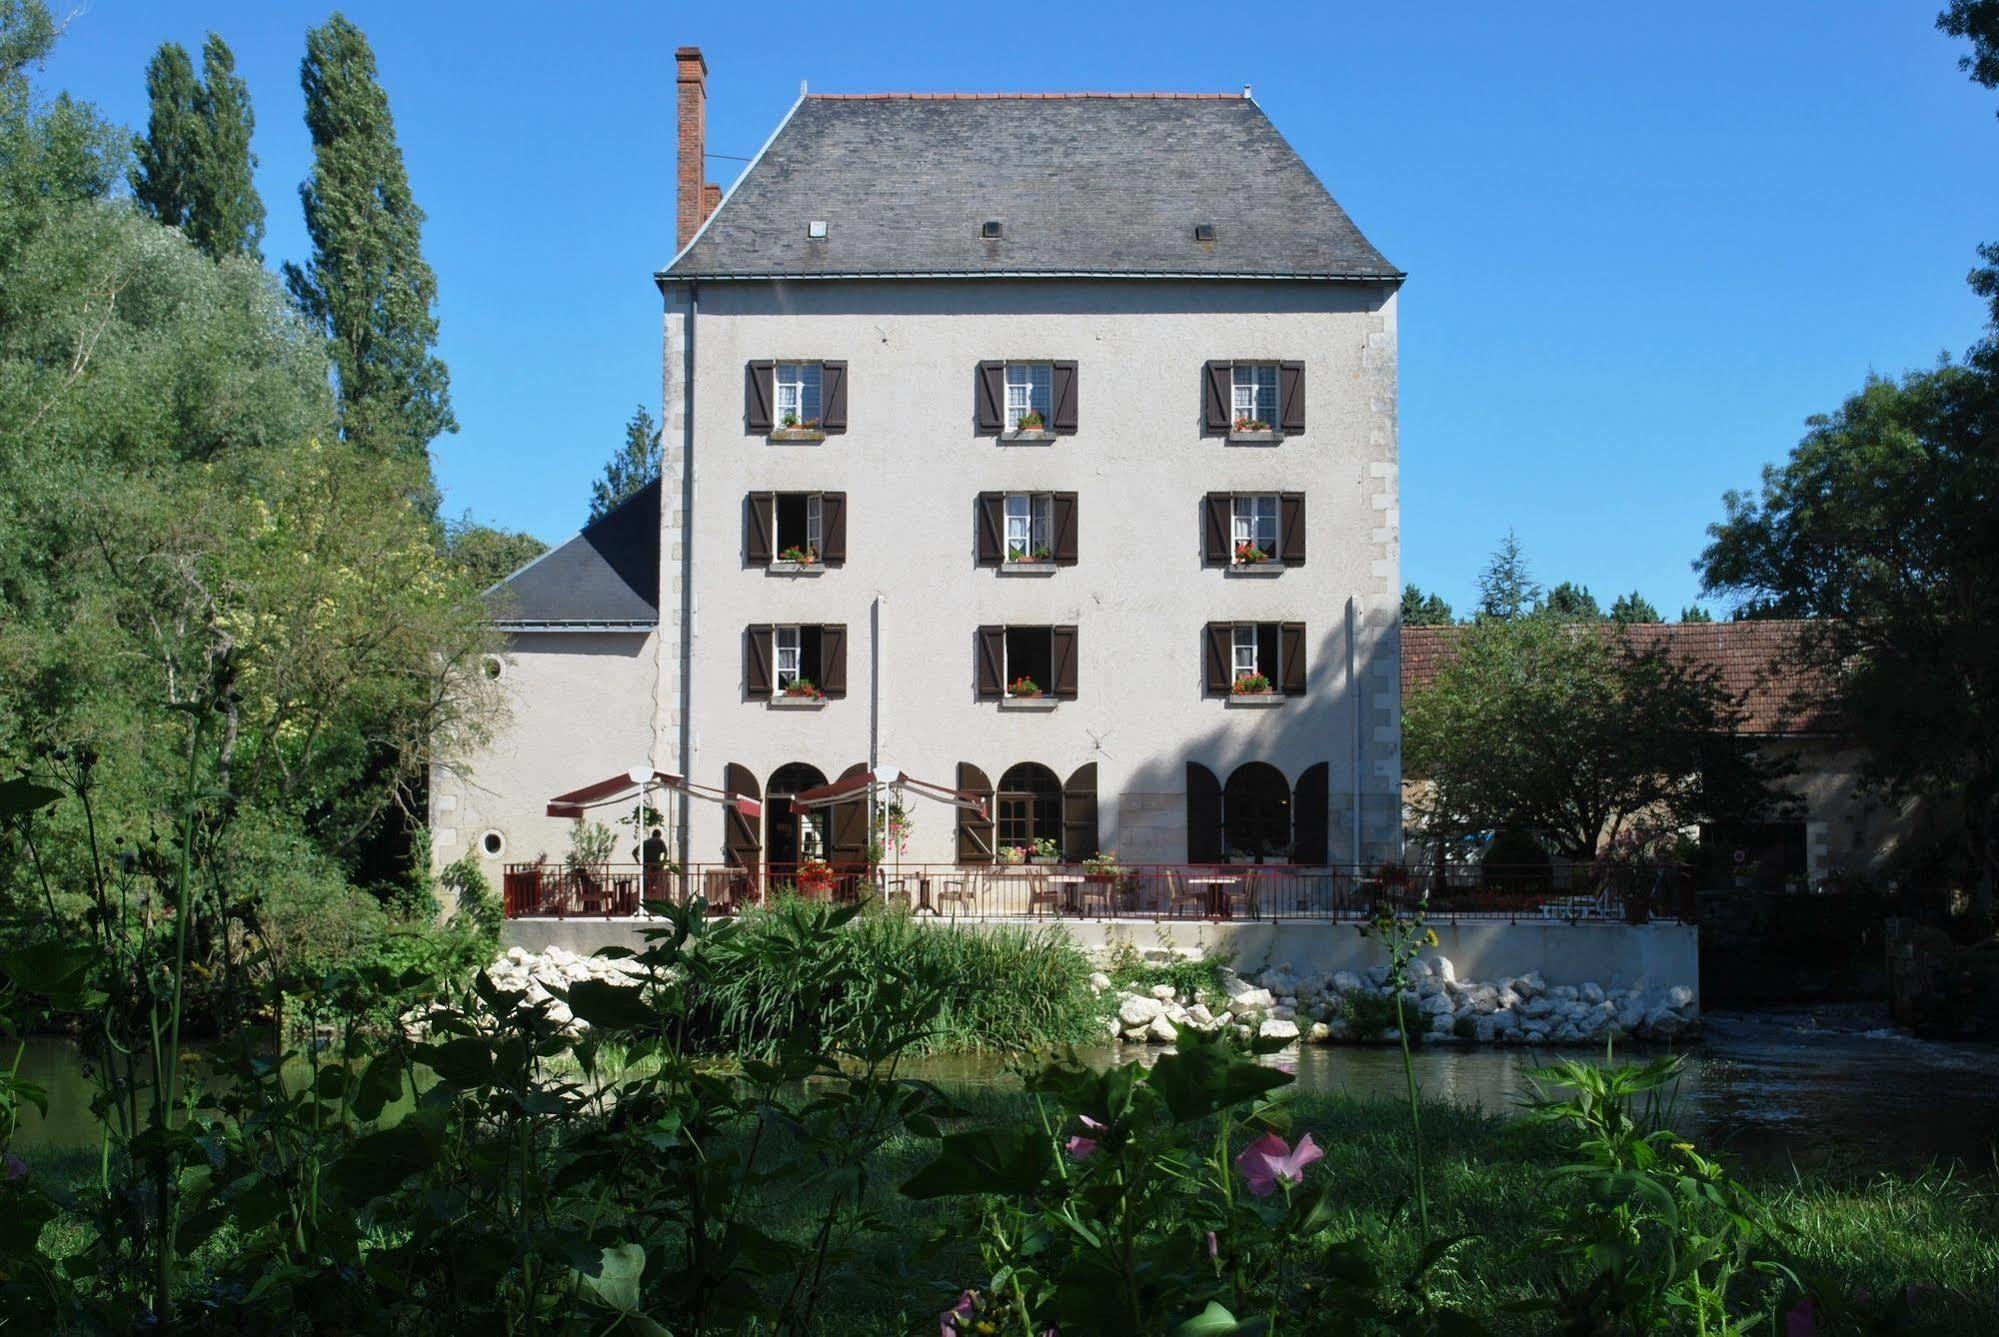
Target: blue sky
point(1644, 242)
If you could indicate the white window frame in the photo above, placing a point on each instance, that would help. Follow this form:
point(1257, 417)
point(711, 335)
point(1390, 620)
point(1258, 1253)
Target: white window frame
point(796, 390)
point(1030, 385)
point(813, 526)
point(1248, 513)
point(1243, 639)
point(1249, 383)
point(785, 669)
point(1029, 524)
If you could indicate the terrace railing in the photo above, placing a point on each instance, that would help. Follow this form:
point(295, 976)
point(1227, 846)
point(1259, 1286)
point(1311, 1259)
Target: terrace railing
point(1267, 891)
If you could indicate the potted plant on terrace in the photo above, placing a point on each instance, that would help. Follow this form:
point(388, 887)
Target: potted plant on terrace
point(802, 556)
point(1251, 684)
point(1041, 552)
point(1245, 423)
point(1046, 851)
point(815, 877)
point(1248, 554)
point(791, 427)
point(1023, 688)
point(804, 689)
point(1031, 421)
point(1012, 856)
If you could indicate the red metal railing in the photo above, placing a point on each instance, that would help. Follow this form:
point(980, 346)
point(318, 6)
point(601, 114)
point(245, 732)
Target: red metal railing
point(1592, 893)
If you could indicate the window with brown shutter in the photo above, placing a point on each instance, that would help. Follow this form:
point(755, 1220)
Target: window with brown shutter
point(758, 396)
point(757, 662)
point(833, 659)
point(1204, 815)
point(975, 831)
point(990, 663)
point(986, 537)
point(1216, 391)
point(1290, 396)
point(989, 398)
point(1062, 657)
point(1217, 512)
point(833, 389)
point(1079, 814)
point(1291, 673)
point(1064, 396)
point(1065, 528)
point(759, 519)
point(742, 845)
point(848, 839)
point(799, 526)
point(1291, 528)
point(833, 528)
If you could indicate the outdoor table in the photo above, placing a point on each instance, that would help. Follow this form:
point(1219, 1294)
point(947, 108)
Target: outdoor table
point(1218, 893)
point(1068, 882)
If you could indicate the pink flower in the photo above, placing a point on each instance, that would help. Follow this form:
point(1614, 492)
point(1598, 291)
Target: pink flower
point(1267, 1160)
point(1214, 1246)
point(947, 1322)
point(1081, 1148)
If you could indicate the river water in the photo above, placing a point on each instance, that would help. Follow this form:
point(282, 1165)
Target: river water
point(1812, 1086)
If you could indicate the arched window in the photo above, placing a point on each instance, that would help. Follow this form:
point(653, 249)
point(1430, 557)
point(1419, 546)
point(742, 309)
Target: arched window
point(1256, 813)
point(1028, 806)
point(791, 836)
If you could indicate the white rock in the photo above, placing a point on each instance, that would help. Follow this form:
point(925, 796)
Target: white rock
point(1320, 1033)
point(1135, 1034)
point(1163, 992)
point(1483, 998)
point(1417, 969)
point(1436, 1005)
point(1138, 1011)
point(1099, 981)
point(1564, 993)
point(1508, 996)
point(1538, 1007)
point(517, 955)
point(1442, 968)
point(1429, 988)
point(1277, 1029)
point(1252, 1000)
point(1163, 1031)
point(1345, 981)
point(1283, 1012)
point(1233, 984)
point(1199, 1015)
point(1663, 1024)
point(1506, 1019)
point(1679, 997)
point(1442, 1023)
point(1592, 992)
point(1482, 1029)
point(1530, 985)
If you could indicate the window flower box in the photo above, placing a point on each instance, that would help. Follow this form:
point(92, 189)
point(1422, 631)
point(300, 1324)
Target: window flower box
point(1253, 689)
point(1250, 560)
point(800, 695)
point(1038, 560)
point(796, 561)
point(1253, 431)
point(1028, 436)
point(1255, 569)
point(1039, 701)
point(1027, 568)
point(791, 429)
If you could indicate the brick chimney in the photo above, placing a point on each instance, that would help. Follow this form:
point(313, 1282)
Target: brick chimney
point(695, 199)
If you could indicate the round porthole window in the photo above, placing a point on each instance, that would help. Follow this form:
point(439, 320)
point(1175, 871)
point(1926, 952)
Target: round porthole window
point(493, 666)
point(494, 844)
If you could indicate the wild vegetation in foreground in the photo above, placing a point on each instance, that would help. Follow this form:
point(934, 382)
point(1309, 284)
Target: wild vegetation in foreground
point(496, 1171)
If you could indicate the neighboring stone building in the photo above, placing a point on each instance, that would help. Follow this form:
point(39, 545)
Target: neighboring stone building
point(1021, 378)
point(1840, 826)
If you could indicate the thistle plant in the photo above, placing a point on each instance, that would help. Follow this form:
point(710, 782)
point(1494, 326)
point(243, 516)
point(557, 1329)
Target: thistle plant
point(1403, 935)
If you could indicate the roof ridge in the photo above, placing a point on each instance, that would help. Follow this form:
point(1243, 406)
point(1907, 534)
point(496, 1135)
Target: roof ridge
point(998, 97)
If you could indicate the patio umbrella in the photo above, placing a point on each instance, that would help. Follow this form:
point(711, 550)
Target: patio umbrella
point(864, 786)
point(637, 781)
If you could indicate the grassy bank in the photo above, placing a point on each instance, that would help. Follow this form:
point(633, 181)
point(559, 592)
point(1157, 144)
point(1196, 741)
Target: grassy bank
point(1872, 1235)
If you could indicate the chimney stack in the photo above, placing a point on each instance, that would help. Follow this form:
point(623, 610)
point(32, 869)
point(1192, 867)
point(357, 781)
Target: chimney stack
point(695, 199)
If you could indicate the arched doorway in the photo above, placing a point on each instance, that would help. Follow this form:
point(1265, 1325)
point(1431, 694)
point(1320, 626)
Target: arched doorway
point(1256, 812)
point(792, 836)
point(1028, 807)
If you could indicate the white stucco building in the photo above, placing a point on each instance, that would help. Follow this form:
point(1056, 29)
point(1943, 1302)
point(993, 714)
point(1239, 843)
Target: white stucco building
point(1093, 391)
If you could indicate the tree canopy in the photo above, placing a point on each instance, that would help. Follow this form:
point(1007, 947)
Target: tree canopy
point(1506, 588)
point(1424, 610)
point(635, 464)
point(486, 553)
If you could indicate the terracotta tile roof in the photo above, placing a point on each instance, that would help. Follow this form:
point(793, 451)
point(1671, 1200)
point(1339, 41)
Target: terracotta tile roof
point(1757, 660)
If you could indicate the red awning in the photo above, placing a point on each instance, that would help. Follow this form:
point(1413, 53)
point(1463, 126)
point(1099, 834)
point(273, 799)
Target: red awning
point(618, 788)
point(884, 777)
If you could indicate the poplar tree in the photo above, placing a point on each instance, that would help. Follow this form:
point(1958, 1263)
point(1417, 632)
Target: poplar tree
point(226, 217)
point(166, 155)
point(367, 286)
point(635, 464)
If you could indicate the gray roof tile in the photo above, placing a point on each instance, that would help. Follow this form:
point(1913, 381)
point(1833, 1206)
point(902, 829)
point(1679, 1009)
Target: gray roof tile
point(609, 573)
point(1083, 183)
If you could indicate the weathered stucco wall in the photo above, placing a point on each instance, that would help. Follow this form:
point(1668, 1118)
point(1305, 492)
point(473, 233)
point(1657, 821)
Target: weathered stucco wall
point(911, 595)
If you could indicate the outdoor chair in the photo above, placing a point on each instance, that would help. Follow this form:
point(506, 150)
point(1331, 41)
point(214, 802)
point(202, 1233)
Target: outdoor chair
point(715, 889)
point(960, 891)
point(1097, 897)
point(1180, 895)
point(1242, 896)
point(1040, 894)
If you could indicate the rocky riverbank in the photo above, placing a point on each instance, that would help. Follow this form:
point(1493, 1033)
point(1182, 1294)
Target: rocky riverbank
point(1359, 1008)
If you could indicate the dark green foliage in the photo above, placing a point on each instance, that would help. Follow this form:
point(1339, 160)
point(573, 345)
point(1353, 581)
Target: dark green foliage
point(1634, 607)
point(487, 554)
point(227, 216)
point(1570, 602)
point(1199, 978)
point(166, 155)
point(1424, 610)
point(635, 464)
point(1695, 613)
point(1978, 20)
point(1506, 589)
point(478, 907)
point(367, 286)
point(1003, 990)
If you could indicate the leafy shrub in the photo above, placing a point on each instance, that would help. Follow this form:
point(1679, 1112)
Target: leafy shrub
point(1197, 978)
point(478, 907)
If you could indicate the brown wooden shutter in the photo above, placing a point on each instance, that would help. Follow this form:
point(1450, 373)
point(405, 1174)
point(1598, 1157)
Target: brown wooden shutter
point(742, 841)
point(1291, 528)
point(975, 833)
point(989, 398)
point(989, 540)
point(991, 663)
point(1218, 524)
point(757, 394)
point(833, 659)
point(1218, 656)
point(849, 822)
point(833, 397)
point(1291, 396)
point(1310, 803)
point(759, 519)
point(1291, 658)
point(1062, 516)
point(756, 662)
point(1063, 393)
point(1204, 815)
point(1217, 394)
point(1079, 814)
point(833, 528)
point(1062, 651)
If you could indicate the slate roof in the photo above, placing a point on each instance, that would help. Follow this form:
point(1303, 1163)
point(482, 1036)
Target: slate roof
point(1758, 663)
point(608, 574)
point(1084, 184)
